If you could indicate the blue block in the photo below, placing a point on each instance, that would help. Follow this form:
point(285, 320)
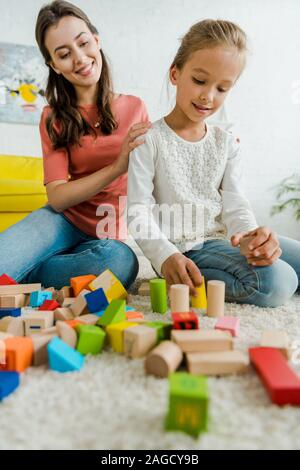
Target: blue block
point(10, 312)
point(38, 298)
point(96, 300)
point(128, 309)
point(63, 358)
point(9, 381)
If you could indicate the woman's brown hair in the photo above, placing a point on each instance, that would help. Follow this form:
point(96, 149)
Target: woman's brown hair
point(61, 94)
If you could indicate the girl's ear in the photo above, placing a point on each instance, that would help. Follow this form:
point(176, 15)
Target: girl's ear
point(174, 73)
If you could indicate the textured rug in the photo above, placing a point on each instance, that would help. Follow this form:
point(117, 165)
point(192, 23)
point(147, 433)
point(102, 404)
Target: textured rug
point(111, 404)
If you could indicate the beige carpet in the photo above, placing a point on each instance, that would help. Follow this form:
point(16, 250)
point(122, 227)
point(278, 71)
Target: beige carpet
point(111, 404)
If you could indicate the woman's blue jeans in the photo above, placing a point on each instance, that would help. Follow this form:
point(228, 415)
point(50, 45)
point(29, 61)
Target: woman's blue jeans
point(268, 286)
point(45, 247)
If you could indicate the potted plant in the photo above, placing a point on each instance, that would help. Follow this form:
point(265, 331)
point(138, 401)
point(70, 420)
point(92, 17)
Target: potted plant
point(288, 196)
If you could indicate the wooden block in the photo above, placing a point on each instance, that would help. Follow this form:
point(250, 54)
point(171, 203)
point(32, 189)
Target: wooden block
point(63, 314)
point(19, 289)
point(6, 280)
point(74, 323)
point(217, 363)
point(138, 341)
point(115, 333)
point(89, 319)
point(144, 289)
point(188, 404)
point(215, 298)
point(80, 283)
point(163, 329)
point(68, 301)
point(200, 301)
point(67, 333)
point(134, 315)
point(179, 298)
point(19, 354)
point(63, 358)
point(12, 301)
point(277, 340)
point(40, 353)
point(79, 306)
point(9, 382)
point(14, 326)
point(111, 285)
point(10, 312)
point(280, 381)
point(4, 336)
point(35, 322)
point(231, 324)
point(185, 321)
point(49, 305)
point(96, 300)
point(114, 313)
point(202, 340)
point(91, 339)
point(63, 293)
point(164, 359)
point(37, 298)
point(49, 331)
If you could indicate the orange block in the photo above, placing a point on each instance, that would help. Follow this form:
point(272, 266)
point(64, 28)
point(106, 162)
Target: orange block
point(19, 354)
point(131, 315)
point(74, 323)
point(81, 282)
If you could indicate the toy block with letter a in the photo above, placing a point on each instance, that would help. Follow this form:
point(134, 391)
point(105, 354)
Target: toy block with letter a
point(80, 283)
point(9, 382)
point(188, 404)
point(185, 321)
point(63, 358)
point(111, 285)
point(19, 354)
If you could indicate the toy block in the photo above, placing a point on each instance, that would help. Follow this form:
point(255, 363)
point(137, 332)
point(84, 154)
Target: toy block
point(115, 333)
point(96, 300)
point(185, 321)
point(63, 314)
point(179, 298)
point(19, 289)
point(10, 312)
point(49, 305)
point(215, 298)
point(4, 336)
point(114, 313)
point(231, 324)
point(49, 331)
point(5, 280)
point(63, 293)
point(89, 319)
point(188, 404)
point(68, 301)
point(163, 329)
point(200, 301)
point(37, 321)
point(144, 289)
point(67, 333)
point(202, 340)
point(50, 289)
point(19, 354)
point(164, 359)
point(80, 283)
point(14, 326)
point(9, 382)
point(79, 306)
point(132, 315)
point(277, 340)
point(90, 340)
point(280, 381)
point(63, 358)
point(40, 353)
point(138, 341)
point(38, 298)
point(12, 301)
point(158, 295)
point(113, 288)
point(74, 323)
point(217, 363)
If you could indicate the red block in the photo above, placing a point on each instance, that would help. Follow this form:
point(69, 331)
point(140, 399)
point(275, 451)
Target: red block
point(50, 305)
point(185, 321)
point(281, 382)
point(5, 280)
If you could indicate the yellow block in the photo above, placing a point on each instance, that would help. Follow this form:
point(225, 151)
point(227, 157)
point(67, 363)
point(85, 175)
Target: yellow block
point(115, 333)
point(200, 301)
point(113, 288)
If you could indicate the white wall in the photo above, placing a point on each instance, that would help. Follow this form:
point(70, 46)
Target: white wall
point(141, 38)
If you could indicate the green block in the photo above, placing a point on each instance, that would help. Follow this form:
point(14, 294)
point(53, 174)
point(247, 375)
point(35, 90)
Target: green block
point(163, 329)
point(158, 295)
point(91, 339)
point(188, 404)
point(114, 313)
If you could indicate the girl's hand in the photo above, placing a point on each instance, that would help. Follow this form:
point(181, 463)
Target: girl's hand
point(178, 269)
point(130, 142)
point(264, 246)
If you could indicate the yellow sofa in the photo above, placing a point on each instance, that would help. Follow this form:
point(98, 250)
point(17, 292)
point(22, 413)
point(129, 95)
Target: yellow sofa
point(21, 188)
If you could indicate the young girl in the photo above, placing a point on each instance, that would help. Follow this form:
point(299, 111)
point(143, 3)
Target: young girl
point(87, 133)
point(186, 161)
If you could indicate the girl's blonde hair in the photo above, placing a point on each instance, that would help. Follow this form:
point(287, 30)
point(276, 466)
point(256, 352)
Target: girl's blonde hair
point(208, 34)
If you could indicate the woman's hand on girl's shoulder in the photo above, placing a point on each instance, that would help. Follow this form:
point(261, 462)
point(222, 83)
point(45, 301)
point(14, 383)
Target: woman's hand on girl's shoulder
point(130, 142)
point(178, 269)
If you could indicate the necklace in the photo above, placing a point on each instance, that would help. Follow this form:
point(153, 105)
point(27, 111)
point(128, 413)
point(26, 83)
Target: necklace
point(95, 124)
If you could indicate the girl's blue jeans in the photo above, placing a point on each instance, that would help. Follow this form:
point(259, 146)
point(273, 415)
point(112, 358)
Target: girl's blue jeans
point(45, 247)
